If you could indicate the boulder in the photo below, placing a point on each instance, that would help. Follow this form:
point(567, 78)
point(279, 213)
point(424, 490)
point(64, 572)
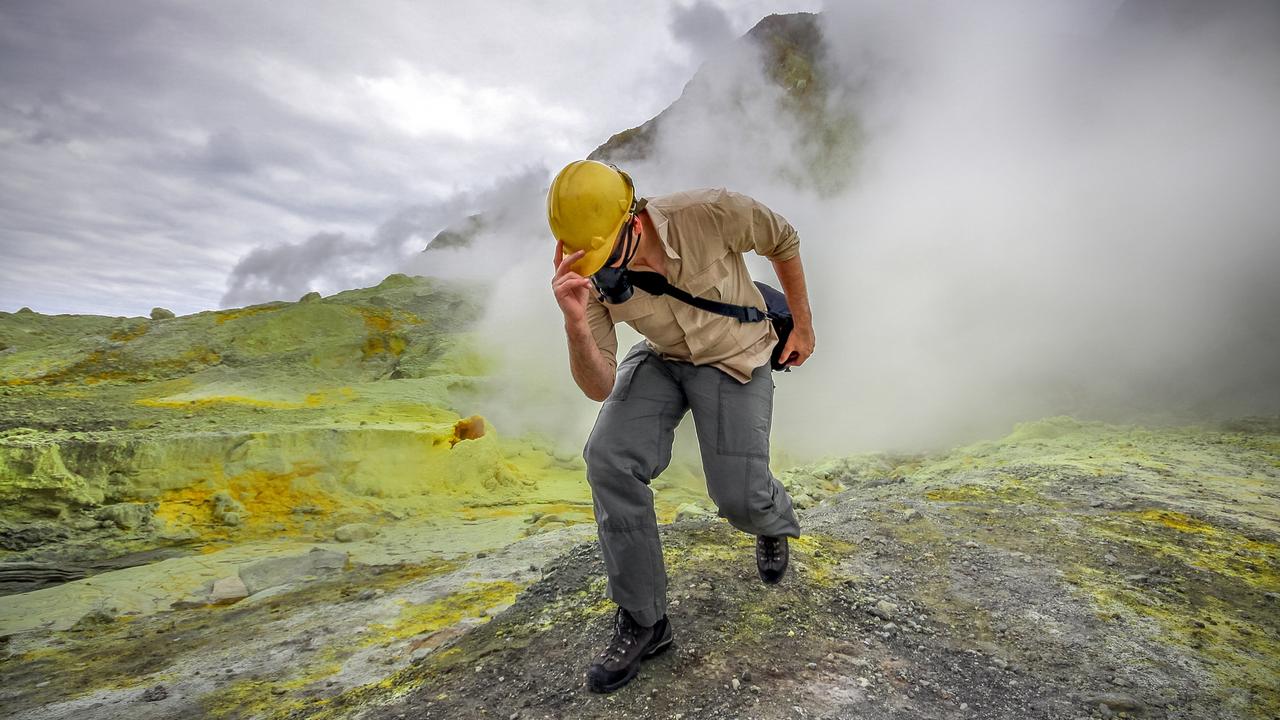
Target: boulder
point(159, 313)
point(310, 297)
point(291, 569)
point(228, 590)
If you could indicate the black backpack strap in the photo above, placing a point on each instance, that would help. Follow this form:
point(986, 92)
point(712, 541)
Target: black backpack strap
point(656, 284)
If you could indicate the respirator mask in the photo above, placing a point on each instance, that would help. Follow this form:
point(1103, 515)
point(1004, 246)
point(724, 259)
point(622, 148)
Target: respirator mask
point(611, 282)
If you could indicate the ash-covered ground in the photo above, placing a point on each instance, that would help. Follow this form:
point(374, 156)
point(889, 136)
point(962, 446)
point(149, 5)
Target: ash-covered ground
point(1069, 570)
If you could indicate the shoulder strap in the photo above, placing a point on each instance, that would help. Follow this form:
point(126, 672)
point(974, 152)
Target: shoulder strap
point(657, 284)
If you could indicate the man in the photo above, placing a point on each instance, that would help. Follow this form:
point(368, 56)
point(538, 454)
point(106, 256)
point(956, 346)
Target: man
point(691, 359)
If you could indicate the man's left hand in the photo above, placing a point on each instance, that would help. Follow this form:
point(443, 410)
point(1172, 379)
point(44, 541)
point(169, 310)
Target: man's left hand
point(799, 346)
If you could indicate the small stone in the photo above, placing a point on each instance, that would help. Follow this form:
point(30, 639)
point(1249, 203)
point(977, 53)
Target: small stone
point(736, 683)
point(811, 666)
point(911, 514)
point(155, 693)
point(754, 689)
point(277, 691)
point(746, 676)
point(884, 610)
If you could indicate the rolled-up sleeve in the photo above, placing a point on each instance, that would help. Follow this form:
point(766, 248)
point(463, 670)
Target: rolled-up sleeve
point(602, 331)
point(748, 224)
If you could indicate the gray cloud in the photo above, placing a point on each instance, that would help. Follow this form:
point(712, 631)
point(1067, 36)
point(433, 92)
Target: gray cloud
point(702, 26)
point(166, 141)
point(328, 262)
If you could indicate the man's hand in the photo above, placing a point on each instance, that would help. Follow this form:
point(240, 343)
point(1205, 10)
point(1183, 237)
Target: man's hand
point(800, 341)
point(799, 346)
point(572, 290)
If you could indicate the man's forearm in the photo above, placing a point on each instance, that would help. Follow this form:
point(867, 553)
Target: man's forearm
point(791, 275)
point(591, 371)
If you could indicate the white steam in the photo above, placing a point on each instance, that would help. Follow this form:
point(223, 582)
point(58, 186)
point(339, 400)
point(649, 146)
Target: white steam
point(1054, 209)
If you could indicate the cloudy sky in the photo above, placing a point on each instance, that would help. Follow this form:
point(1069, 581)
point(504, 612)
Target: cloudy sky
point(148, 147)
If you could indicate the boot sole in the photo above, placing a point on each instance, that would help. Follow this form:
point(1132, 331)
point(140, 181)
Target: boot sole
point(635, 669)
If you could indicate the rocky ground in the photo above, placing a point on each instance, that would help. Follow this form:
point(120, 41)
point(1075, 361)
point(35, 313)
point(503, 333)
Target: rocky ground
point(1069, 570)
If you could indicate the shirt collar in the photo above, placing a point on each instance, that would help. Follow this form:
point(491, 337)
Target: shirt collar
point(659, 221)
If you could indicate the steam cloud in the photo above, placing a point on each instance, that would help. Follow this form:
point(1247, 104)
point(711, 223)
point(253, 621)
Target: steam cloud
point(1054, 209)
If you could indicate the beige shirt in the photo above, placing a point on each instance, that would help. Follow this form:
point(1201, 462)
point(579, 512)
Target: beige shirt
point(704, 233)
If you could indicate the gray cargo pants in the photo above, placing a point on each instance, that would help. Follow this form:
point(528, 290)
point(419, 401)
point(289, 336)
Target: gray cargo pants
point(631, 444)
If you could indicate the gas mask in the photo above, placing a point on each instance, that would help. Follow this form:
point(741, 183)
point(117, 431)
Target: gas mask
point(611, 282)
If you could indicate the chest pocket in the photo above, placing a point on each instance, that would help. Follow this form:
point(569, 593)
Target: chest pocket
point(705, 282)
point(707, 332)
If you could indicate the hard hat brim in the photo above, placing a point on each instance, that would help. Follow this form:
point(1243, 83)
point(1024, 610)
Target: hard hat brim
point(591, 262)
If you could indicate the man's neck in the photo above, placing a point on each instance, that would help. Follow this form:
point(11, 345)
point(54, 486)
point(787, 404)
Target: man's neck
point(650, 253)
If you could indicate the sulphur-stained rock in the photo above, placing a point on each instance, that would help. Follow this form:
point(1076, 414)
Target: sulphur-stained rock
point(98, 617)
point(127, 516)
point(227, 510)
point(228, 590)
point(159, 313)
point(354, 532)
point(279, 571)
point(269, 593)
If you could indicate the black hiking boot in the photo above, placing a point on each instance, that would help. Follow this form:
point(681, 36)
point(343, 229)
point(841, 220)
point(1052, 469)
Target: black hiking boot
point(771, 557)
point(619, 662)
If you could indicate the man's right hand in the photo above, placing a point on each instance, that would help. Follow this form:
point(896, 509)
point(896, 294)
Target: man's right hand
point(572, 290)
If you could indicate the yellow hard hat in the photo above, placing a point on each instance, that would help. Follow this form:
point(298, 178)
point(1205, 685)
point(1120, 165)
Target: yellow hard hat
point(587, 206)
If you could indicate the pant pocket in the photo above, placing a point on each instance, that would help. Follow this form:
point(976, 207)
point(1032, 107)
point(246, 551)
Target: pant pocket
point(745, 415)
point(625, 374)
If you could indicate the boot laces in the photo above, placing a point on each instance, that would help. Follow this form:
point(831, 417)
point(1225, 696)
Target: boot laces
point(770, 548)
point(624, 636)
